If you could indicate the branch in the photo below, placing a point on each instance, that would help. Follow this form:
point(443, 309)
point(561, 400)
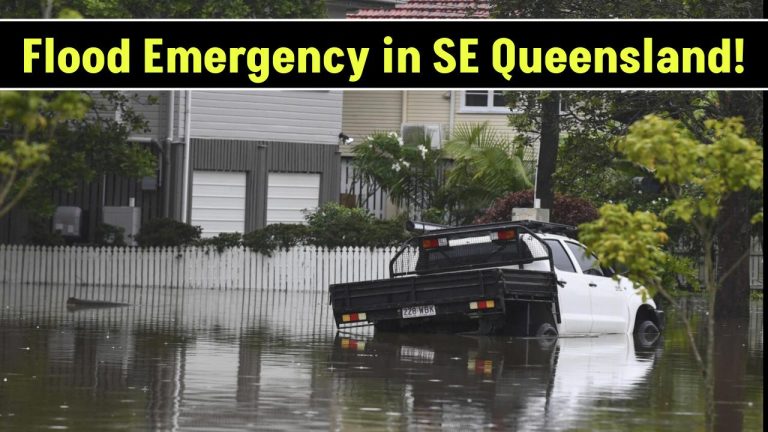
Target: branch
point(733, 268)
point(28, 182)
point(9, 183)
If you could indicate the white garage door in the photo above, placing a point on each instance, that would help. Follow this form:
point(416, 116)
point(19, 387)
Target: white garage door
point(218, 202)
point(290, 193)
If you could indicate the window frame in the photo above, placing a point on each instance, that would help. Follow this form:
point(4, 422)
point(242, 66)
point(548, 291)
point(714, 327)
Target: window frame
point(489, 108)
point(567, 255)
point(581, 270)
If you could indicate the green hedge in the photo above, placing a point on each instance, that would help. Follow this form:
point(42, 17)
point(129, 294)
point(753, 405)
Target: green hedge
point(330, 226)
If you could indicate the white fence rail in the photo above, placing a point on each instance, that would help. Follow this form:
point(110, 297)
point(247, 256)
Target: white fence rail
point(297, 269)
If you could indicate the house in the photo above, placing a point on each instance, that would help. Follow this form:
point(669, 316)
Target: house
point(254, 158)
point(340, 8)
point(428, 9)
point(434, 112)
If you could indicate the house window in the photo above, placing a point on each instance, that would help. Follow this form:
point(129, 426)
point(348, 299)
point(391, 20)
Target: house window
point(484, 101)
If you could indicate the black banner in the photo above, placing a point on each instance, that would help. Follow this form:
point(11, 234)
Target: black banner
point(384, 54)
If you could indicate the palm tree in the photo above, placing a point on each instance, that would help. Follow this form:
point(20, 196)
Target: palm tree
point(486, 165)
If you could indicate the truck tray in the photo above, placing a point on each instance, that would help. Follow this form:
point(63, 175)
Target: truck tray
point(450, 293)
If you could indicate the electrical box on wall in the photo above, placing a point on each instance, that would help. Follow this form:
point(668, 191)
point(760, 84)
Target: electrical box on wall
point(127, 218)
point(68, 220)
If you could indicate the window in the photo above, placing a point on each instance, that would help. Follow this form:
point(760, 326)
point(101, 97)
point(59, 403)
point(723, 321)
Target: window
point(483, 101)
point(587, 262)
point(560, 257)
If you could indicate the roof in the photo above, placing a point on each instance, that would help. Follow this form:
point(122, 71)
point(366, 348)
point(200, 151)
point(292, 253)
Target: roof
point(434, 9)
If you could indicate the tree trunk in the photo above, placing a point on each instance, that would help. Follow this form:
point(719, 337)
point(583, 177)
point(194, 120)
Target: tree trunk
point(733, 222)
point(731, 356)
point(550, 139)
point(733, 242)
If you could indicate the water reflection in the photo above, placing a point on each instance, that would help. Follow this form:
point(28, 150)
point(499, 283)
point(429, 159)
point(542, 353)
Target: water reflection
point(233, 360)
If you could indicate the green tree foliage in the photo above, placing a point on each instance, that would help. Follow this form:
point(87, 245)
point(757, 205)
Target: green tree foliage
point(626, 9)
point(175, 9)
point(30, 119)
point(486, 165)
point(91, 146)
point(701, 175)
point(408, 171)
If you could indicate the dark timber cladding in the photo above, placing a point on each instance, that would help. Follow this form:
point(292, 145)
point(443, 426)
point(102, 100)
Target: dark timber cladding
point(108, 190)
point(258, 158)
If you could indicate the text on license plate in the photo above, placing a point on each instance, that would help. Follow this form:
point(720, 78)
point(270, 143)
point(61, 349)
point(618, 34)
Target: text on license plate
point(418, 311)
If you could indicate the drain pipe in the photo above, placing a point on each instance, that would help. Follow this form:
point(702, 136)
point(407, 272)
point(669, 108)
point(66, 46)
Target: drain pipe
point(167, 153)
point(187, 142)
point(451, 113)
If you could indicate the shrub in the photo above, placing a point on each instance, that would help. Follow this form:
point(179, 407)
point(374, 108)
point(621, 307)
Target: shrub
point(333, 225)
point(276, 236)
point(167, 232)
point(109, 235)
point(567, 210)
point(40, 234)
point(222, 241)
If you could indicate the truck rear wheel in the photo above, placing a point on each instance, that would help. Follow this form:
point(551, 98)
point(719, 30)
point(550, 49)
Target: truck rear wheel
point(647, 327)
point(546, 330)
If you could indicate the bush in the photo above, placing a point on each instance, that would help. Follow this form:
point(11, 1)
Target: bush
point(40, 234)
point(276, 236)
point(167, 232)
point(568, 210)
point(109, 235)
point(222, 241)
point(333, 225)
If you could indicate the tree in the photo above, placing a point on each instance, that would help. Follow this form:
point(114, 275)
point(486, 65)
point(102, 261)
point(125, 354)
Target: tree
point(87, 147)
point(702, 176)
point(176, 9)
point(566, 209)
point(625, 9)
point(482, 166)
point(408, 171)
point(669, 103)
point(30, 118)
point(486, 165)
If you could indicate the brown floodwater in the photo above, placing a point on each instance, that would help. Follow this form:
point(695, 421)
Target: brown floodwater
point(249, 360)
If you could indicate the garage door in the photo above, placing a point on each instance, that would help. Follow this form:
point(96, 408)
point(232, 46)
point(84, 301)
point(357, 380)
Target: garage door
point(290, 193)
point(218, 202)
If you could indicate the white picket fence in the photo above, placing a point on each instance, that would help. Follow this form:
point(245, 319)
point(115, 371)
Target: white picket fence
point(304, 268)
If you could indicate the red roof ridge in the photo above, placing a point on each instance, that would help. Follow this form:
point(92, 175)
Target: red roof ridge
point(429, 9)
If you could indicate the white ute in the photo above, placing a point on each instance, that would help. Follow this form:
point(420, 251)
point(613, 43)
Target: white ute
point(593, 300)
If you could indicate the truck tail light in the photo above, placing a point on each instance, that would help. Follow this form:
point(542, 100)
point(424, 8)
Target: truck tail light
point(480, 366)
point(352, 344)
point(482, 304)
point(434, 243)
point(505, 235)
point(354, 317)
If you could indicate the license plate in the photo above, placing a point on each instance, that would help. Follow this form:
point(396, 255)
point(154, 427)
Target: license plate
point(418, 311)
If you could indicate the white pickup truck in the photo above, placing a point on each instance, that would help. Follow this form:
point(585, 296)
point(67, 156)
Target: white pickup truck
point(521, 278)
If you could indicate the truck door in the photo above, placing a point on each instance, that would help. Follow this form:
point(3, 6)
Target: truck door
point(609, 310)
point(572, 291)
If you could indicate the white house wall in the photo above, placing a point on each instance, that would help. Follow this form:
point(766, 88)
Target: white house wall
point(284, 116)
point(369, 111)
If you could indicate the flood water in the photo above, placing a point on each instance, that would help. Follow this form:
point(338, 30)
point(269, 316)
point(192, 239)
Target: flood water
point(246, 360)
